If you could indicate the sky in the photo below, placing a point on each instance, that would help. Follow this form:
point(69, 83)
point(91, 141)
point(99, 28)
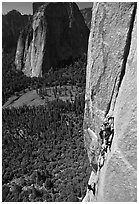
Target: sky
point(26, 7)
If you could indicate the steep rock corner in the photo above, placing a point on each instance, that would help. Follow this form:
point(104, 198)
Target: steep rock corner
point(110, 121)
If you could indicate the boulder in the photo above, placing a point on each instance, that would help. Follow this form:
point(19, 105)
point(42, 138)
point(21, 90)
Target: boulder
point(57, 36)
point(111, 92)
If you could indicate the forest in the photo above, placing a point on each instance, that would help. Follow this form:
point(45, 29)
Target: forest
point(43, 152)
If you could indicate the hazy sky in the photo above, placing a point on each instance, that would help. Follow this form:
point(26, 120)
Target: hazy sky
point(26, 7)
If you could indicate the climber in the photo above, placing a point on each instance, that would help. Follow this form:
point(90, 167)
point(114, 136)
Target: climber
point(110, 139)
point(89, 187)
point(92, 182)
point(102, 134)
point(92, 189)
point(107, 133)
point(110, 132)
point(103, 150)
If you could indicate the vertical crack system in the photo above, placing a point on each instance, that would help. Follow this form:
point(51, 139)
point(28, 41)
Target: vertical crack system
point(106, 133)
point(127, 46)
point(123, 67)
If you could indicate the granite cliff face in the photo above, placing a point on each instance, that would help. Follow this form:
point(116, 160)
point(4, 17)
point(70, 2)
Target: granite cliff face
point(57, 35)
point(110, 120)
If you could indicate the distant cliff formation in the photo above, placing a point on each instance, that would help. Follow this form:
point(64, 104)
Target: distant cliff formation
point(36, 6)
point(12, 23)
point(56, 36)
point(110, 119)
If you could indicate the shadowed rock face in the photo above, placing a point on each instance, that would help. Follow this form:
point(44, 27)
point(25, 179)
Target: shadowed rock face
point(36, 6)
point(12, 23)
point(87, 14)
point(57, 35)
point(111, 103)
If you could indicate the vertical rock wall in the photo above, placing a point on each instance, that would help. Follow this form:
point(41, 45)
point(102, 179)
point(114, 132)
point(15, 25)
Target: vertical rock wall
point(110, 120)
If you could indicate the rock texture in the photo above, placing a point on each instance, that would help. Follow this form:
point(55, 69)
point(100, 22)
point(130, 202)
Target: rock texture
point(36, 6)
point(87, 14)
point(12, 23)
point(111, 103)
point(57, 35)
